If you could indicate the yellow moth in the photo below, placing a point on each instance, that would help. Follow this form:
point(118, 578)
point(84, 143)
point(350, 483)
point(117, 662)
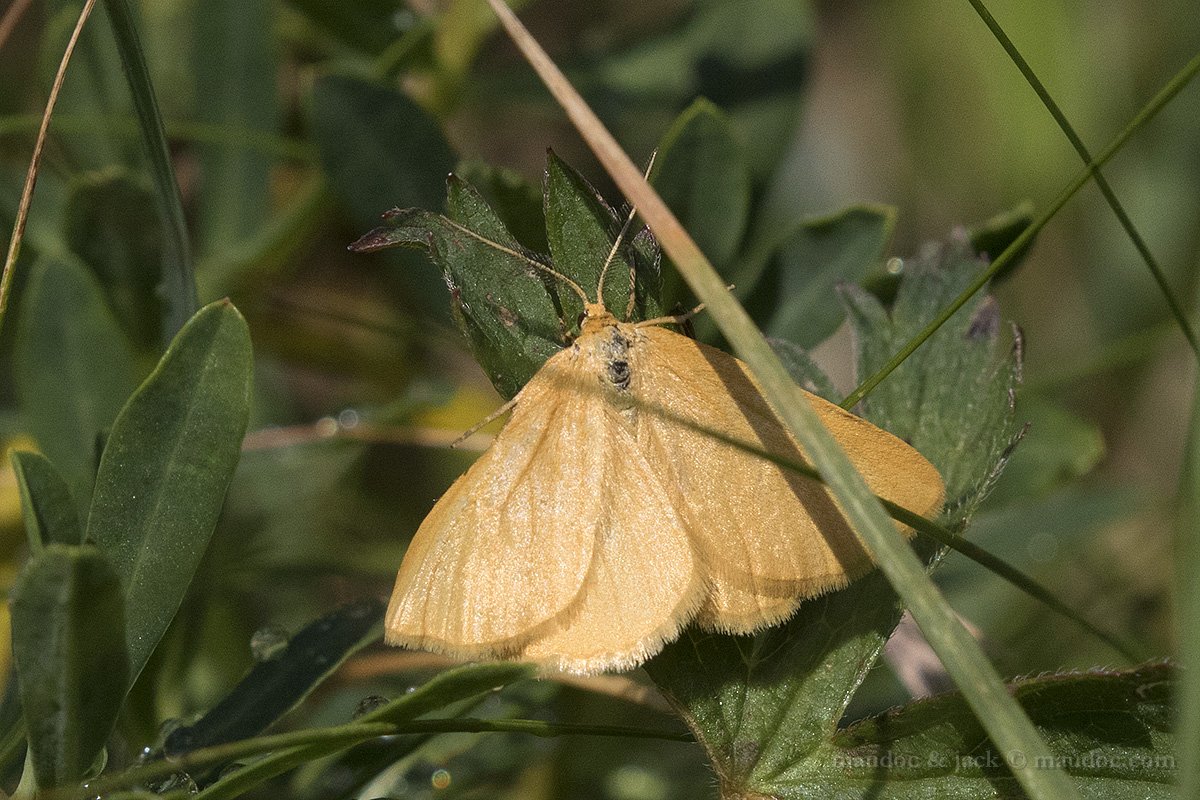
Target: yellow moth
point(603, 518)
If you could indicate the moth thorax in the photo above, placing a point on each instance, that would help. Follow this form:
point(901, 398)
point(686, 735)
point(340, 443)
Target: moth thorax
point(614, 349)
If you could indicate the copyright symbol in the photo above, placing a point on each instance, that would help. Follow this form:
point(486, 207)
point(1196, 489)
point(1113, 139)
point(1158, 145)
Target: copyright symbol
point(1017, 759)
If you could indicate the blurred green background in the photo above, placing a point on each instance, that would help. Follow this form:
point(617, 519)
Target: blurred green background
point(294, 124)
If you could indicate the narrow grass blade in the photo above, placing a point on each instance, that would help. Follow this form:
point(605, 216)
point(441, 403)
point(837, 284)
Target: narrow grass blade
point(1187, 580)
point(1173, 302)
point(1003, 719)
point(178, 277)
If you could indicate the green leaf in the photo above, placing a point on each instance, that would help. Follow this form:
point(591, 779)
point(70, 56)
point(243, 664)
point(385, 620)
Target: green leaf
point(1110, 731)
point(581, 228)
point(165, 470)
point(749, 58)
point(452, 686)
point(113, 226)
point(96, 92)
point(366, 25)
point(513, 312)
point(68, 646)
point(516, 201)
point(46, 503)
point(74, 368)
point(701, 174)
point(803, 370)
point(761, 703)
point(796, 294)
point(953, 399)
point(277, 684)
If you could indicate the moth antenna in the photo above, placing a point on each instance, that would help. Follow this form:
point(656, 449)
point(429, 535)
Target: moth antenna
point(676, 319)
point(612, 253)
point(552, 272)
point(617, 246)
point(533, 262)
point(474, 429)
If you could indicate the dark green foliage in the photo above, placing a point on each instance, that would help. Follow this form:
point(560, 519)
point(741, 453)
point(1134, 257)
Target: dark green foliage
point(280, 680)
point(796, 292)
point(49, 511)
point(112, 225)
point(68, 635)
point(701, 173)
point(954, 398)
point(166, 467)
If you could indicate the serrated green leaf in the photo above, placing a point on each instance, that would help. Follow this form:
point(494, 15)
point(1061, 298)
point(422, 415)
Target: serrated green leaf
point(275, 685)
point(114, 228)
point(68, 646)
point(803, 370)
point(760, 703)
point(165, 470)
point(74, 369)
point(953, 399)
point(581, 228)
point(701, 174)
point(516, 201)
point(796, 295)
point(1110, 731)
point(46, 504)
point(514, 313)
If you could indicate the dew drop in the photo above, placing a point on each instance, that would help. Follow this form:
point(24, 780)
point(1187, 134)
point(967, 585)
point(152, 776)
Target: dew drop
point(369, 704)
point(440, 779)
point(326, 427)
point(180, 781)
point(268, 642)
